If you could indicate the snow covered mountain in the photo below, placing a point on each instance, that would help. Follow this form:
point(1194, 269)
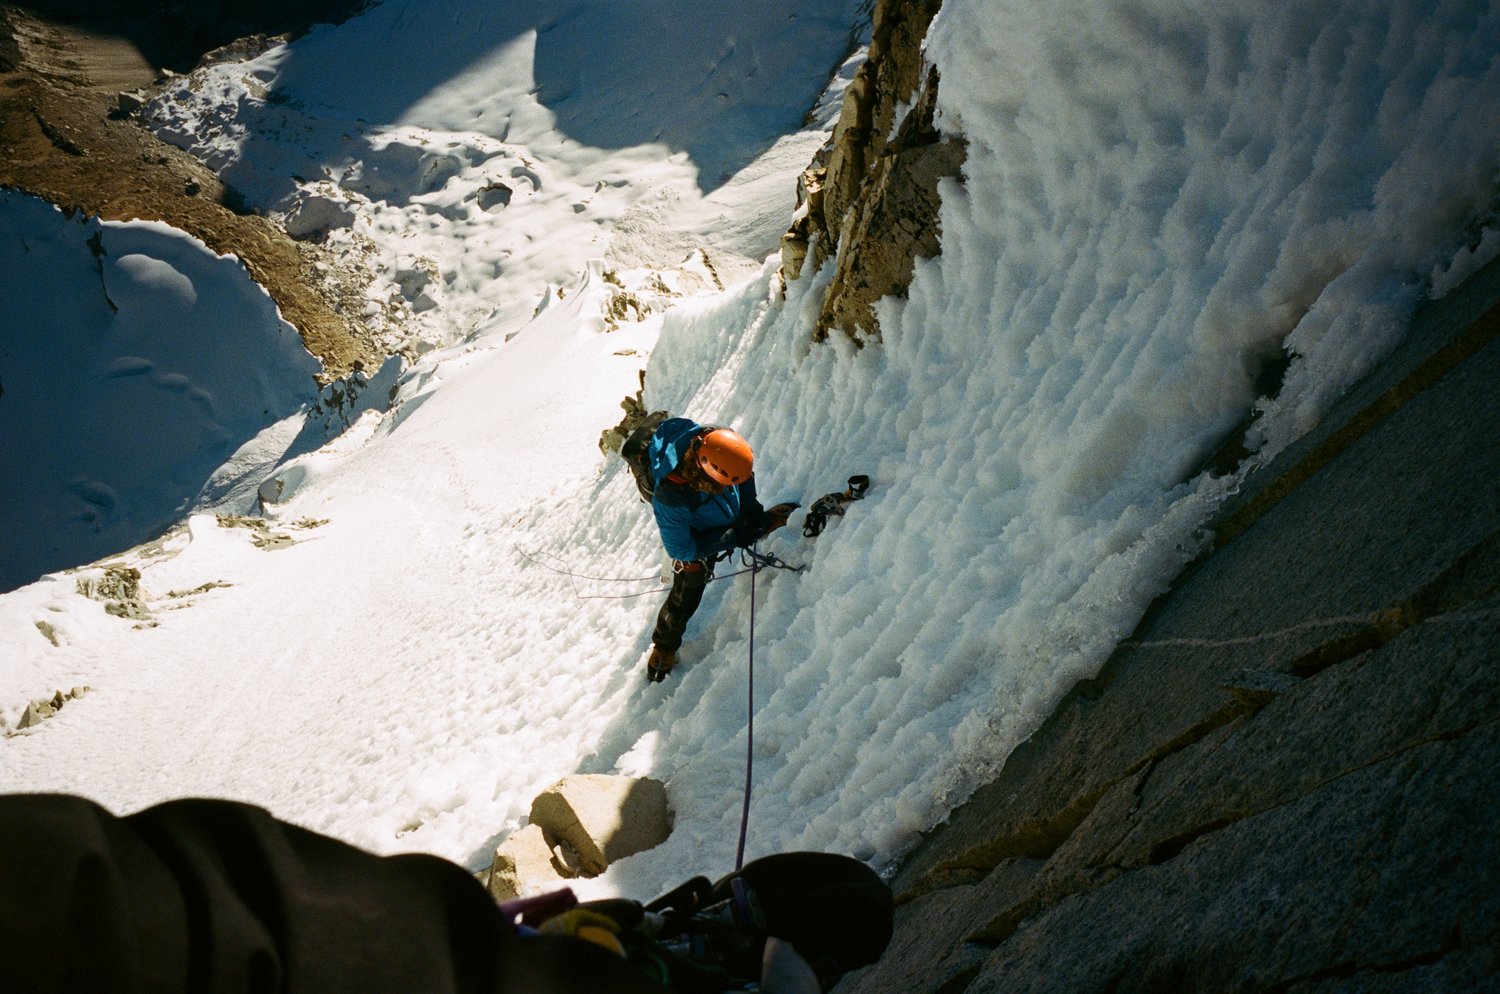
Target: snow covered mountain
point(430, 626)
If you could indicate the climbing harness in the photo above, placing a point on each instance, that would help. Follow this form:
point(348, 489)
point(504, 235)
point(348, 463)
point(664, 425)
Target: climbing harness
point(833, 504)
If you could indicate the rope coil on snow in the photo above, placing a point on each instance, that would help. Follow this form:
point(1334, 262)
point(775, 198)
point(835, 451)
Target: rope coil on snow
point(575, 577)
point(754, 563)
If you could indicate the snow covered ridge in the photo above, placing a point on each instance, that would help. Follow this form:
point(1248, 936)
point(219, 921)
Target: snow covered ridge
point(136, 362)
point(440, 148)
point(149, 378)
point(1155, 198)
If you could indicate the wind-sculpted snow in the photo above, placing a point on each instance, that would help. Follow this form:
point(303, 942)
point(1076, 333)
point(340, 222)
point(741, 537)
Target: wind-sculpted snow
point(1218, 179)
point(1158, 199)
point(135, 362)
point(1156, 204)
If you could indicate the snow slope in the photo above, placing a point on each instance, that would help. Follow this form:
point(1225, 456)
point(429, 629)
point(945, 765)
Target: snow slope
point(124, 338)
point(452, 144)
point(1157, 195)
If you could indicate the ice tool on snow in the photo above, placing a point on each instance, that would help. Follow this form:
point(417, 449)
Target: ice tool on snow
point(833, 504)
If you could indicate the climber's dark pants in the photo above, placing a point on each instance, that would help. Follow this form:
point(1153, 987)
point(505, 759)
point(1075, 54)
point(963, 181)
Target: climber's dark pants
point(687, 593)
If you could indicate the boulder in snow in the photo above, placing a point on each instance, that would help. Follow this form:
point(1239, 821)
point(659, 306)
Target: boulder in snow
point(595, 819)
point(496, 196)
point(315, 215)
point(524, 866)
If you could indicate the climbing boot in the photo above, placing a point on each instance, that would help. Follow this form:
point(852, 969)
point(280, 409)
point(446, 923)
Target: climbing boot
point(660, 664)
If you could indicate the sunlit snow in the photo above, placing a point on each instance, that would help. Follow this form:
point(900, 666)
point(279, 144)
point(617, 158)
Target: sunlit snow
point(1159, 198)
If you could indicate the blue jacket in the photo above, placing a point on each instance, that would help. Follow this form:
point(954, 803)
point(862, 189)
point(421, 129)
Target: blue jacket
point(695, 525)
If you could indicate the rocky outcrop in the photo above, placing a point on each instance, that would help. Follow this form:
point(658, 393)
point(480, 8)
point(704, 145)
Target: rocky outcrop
point(870, 198)
point(66, 142)
point(578, 827)
point(39, 711)
point(1284, 780)
point(119, 588)
point(636, 415)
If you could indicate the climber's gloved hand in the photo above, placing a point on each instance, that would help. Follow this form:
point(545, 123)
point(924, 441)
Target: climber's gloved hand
point(776, 516)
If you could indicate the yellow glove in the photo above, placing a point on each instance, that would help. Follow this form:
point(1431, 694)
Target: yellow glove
point(590, 926)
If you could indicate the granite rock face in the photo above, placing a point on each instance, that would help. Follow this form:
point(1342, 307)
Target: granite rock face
point(1284, 780)
point(869, 200)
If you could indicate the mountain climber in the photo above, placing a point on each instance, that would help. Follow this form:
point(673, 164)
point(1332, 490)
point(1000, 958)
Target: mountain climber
point(705, 506)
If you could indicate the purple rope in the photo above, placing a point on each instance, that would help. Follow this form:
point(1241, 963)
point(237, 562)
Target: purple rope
point(739, 855)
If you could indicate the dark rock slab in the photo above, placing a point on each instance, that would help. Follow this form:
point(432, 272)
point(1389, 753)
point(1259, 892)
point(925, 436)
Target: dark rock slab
point(939, 942)
point(1386, 868)
point(1443, 334)
point(1403, 526)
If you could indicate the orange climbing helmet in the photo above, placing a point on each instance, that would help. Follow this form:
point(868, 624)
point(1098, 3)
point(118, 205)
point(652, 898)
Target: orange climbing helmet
point(725, 456)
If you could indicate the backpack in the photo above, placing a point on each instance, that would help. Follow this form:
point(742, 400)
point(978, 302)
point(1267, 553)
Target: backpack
point(633, 451)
